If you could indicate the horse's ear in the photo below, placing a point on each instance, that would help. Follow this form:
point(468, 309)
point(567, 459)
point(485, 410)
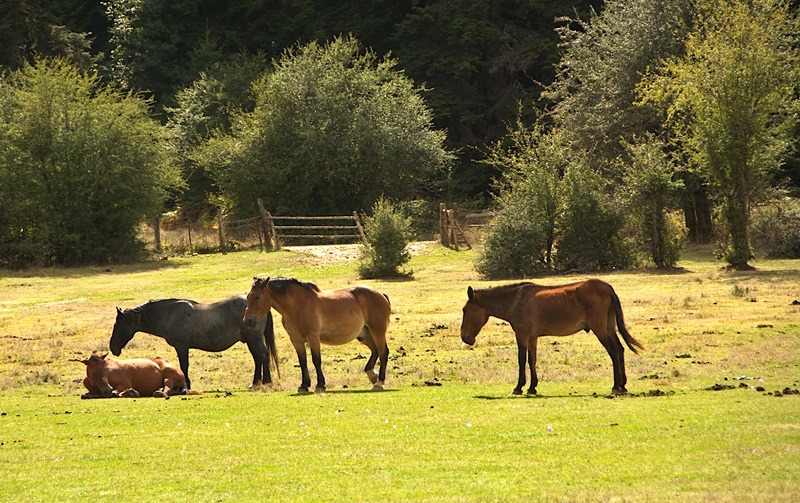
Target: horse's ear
point(470, 293)
point(119, 311)
point(85, 362)
point(103, 356)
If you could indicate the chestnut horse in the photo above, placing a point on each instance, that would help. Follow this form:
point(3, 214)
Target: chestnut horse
point(536, 310)
point(109, 377)
point(330, 317)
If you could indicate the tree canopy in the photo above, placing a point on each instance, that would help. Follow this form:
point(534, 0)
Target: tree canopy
point(334, 127)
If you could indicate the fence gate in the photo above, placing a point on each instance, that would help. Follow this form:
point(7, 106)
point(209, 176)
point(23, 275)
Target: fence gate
point(311, 230)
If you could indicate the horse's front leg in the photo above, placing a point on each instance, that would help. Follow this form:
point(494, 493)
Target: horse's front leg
point(183, 360)
point(532, 343)
point(316, 359)
point(300, 348)
point(522, 356)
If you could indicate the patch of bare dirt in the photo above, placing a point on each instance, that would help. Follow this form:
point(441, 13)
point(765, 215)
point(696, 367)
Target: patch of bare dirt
point(347, 252)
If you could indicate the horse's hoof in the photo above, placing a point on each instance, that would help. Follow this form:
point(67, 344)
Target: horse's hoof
point(302, 390)
point(517, 391)
point(378, 386)
point(319, 389)
point(256, 385)
point(531, 391)
point(373, 376)
point(159, 393)
point(619, 391)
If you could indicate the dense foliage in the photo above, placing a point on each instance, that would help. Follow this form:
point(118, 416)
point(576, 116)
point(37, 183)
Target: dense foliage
point(80, 163)
point(333, 128)
point(730, 99)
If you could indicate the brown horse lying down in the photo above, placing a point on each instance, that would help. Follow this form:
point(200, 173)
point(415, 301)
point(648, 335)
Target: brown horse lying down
point(535, 311)
point(109, 377)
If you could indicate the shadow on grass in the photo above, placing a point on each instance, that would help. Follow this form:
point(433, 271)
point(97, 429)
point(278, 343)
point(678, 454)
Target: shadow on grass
point(533, 397)
point(347, 392)
point(92, 270)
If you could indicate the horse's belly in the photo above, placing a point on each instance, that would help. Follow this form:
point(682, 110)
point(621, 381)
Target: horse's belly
point(341, 333)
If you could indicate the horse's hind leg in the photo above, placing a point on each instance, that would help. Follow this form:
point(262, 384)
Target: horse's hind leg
point(611, 323)
point(532, 343)
point(617, 354)
point(259, 353)
point(365, 338)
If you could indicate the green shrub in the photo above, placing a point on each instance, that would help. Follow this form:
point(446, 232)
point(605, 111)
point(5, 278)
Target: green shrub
point(387, 236)
point(514, 246)
point(776, 228)
point(591, 226)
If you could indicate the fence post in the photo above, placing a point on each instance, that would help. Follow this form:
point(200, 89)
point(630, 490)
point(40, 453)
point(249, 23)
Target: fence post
point(272, 228)
point(265, 222)
point(453, 235)
point(157, 231)
point(222, 247)
point(258, 229)
point(444, 236)
point(189, 230)
point(360, 228)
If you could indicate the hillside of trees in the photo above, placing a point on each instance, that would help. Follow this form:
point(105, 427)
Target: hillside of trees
point(640, 123)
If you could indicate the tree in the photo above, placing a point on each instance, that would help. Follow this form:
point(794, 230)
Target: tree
point(594, 100)
point(480, 58)
point(333, 128)
point(652, 186)
point(729, 98)
point(80, 165)
point(207, 106)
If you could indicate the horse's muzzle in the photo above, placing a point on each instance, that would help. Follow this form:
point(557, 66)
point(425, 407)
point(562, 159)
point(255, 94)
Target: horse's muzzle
point(468, 339)
point(250, 321)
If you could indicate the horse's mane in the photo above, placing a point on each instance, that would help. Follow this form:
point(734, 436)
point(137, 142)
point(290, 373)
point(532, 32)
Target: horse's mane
point(499, 295)
point(279, 285)
point(157, 302)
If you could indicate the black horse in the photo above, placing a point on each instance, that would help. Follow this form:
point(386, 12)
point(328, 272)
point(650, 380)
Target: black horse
point(186, 324)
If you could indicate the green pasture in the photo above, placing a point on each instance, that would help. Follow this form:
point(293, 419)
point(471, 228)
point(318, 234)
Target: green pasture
point(446, 429)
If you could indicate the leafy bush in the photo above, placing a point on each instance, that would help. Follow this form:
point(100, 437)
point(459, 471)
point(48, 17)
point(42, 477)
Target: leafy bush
point(77, 175)
point(514, 246)
point(387, 236)
point(776, 228)
point(591, 226)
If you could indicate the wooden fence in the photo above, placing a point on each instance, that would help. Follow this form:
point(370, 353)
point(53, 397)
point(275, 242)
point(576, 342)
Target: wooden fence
point(454, 226)
point(282, 230)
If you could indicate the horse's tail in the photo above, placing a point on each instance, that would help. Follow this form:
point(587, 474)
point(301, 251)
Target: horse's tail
point(630, 340)
point(269, 338)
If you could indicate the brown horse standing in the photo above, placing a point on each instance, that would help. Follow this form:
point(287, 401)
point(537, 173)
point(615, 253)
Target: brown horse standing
point(109, 377)
point(535, 310)
point(330, 317)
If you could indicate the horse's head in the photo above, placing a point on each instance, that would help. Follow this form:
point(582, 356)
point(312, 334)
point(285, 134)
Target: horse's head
point(124, 328)
point(97, 373)
point(474, 318)
point(259, 302)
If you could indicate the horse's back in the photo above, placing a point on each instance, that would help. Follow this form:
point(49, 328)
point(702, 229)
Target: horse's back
point(565, 309)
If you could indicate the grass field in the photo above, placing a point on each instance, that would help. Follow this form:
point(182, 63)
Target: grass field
point(446, 429)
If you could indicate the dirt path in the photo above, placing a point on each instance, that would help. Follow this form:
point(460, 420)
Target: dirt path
point(348, 252)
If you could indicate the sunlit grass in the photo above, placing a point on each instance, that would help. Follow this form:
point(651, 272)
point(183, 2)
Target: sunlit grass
point(464, 439)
